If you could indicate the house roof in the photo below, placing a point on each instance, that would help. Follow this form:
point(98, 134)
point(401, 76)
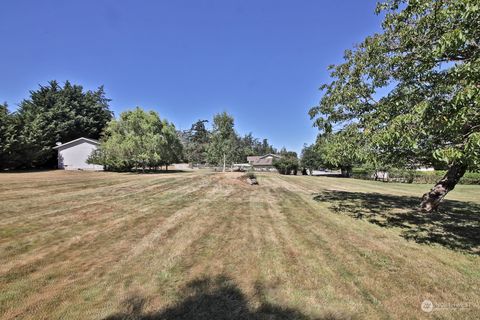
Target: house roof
point(96, 142)
point(265, 160)
point(271, 155)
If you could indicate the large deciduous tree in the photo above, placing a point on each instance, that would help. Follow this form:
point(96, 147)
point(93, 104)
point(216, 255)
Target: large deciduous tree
point(342, 150)
point(311, 158)
point(414, 89)
point(138, 139)
point(224, 141)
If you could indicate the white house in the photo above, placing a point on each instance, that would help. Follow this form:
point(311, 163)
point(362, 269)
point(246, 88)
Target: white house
point(73, 155)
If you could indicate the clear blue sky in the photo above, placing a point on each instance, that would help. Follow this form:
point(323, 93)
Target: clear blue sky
point(260, 60)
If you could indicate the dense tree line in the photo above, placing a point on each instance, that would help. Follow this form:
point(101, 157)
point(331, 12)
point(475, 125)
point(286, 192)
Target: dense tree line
point(221, 145)
point(137, 139)
point(410, 92)
point(51, 114)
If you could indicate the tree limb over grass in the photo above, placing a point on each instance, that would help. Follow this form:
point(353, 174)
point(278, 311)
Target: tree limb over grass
point(428, 61)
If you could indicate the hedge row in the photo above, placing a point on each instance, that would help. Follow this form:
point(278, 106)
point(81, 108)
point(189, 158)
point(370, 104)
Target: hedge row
point(413, 176)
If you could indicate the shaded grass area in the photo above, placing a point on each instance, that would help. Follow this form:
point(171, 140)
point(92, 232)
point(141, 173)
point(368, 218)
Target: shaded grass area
point(209, 298)
point(456, 225)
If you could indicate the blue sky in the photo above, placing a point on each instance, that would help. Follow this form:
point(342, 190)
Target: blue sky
point(260, 60)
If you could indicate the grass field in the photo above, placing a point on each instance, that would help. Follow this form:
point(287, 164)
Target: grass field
point(78, 245)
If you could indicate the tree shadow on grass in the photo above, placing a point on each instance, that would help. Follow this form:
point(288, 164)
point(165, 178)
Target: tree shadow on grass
point(210, 299)
point(456, 225)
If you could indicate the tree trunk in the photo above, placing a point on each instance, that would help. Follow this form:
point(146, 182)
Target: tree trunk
point(346, 172)
point(224, 158)
point(431, 200)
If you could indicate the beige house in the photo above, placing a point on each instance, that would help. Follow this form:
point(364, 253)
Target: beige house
point(263, 163)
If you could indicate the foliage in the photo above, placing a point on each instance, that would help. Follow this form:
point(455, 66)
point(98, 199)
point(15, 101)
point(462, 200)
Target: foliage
point(51, 114)
point(196, 142)
point(311, 158)
point(428, 59)
point(287, 164)
point(343, 149)
point(224, 141)
point(203, 146)
point(249, 146)
point(7, 137)
point(414, 176)
point(138, 139)
point(413, 89)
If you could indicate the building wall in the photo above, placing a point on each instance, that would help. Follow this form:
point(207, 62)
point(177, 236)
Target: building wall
point(264, 168)
point(74, 156)
point(181, 166)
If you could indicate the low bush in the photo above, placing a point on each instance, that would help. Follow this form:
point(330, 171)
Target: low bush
point(286, 165)
point(434, 176)
point(250, 175)
point(413, 176)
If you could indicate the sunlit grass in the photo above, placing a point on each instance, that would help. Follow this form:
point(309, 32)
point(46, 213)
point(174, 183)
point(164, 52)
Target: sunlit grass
point(79, 245)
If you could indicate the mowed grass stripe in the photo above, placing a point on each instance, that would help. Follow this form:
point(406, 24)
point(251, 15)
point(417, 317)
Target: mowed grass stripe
point(156, 236)
point(386, 264)
point(163, 256)
point(52, 226)
point(111, 236)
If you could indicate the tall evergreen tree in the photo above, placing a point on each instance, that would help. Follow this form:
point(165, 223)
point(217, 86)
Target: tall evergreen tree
point(8, 137)
point(58, 114)
point(196, 142)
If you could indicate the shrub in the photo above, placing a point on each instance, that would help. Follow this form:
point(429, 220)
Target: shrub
point(413, 176)
point(250, 175)
point(286, 165)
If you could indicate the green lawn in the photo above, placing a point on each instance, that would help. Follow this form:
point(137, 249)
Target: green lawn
point(79, 245)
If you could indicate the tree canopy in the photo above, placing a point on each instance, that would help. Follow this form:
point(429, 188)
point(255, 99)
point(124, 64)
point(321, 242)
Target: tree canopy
point(413, 90)
point(343, 149)
point(311, 158)
point(52, 114)
point(288, 163)
point(227, 147)
point(222, 148)
point(8, 138)
point(138, 139)
point(196, 142)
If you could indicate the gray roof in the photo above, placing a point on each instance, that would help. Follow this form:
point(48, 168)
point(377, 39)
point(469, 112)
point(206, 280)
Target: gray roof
point(265, 160)
point(96, 142)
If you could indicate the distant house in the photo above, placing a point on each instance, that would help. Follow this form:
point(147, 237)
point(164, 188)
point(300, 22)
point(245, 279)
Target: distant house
point(263, 163)
point(73, 155)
